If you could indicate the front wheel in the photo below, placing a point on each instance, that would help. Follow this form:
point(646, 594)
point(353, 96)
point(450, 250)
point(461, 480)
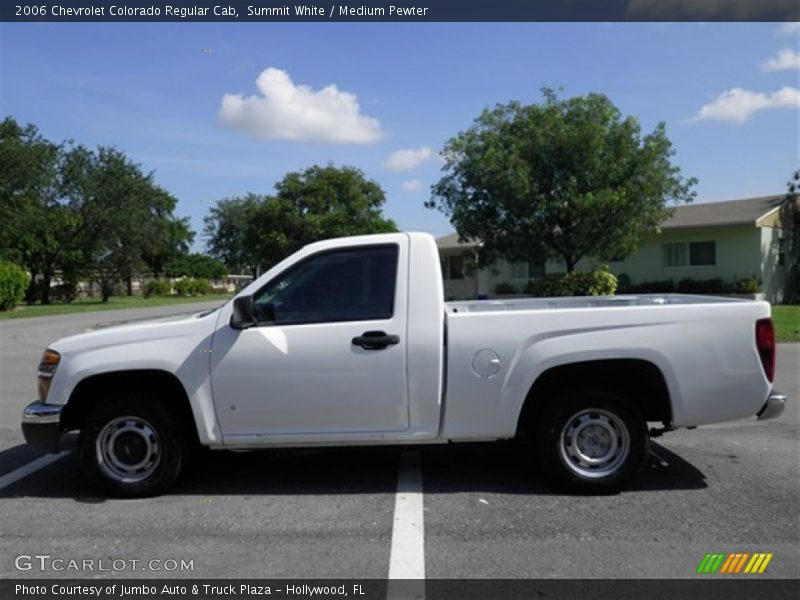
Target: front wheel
point(590, 440)
point(130, 447)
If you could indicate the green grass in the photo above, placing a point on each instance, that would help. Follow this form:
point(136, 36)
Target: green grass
point(115, 302)
point(787, 322)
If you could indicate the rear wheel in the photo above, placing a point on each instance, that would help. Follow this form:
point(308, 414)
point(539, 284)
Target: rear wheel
point(590, 440)
point(130, 447)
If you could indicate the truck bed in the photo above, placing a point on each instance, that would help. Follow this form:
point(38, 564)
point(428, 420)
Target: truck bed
point(584, 302)
point(704, 346)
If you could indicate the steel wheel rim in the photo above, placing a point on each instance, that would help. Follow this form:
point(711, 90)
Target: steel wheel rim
point(594, 443)
point(128, 449)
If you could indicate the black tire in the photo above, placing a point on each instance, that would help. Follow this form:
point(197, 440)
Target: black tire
point(130, 446)
point(590, 440)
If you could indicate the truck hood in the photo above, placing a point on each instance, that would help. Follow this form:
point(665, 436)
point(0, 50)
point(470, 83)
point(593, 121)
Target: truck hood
point(166, 328)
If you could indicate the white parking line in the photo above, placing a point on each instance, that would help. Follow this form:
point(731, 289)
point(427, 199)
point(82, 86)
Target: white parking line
point(407, 558)
point(30, 468)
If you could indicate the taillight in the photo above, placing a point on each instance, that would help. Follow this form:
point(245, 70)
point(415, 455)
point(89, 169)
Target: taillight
point(765, 342)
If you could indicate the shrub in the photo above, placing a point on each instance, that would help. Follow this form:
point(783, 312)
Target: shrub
point(504, 287)
point(157, 287)
point(190, 286)
point(652, 287)
point(200, 287)
point(183, 287)
point(703, 286)
point(549, 285)
point(600, 282)
point(13, 282)
point(748, 285)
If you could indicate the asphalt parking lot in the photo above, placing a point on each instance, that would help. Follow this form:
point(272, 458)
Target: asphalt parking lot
point(486, 512)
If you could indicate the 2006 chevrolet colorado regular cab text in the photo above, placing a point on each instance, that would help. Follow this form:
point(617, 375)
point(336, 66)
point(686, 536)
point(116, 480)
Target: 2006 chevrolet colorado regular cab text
point(349, 341)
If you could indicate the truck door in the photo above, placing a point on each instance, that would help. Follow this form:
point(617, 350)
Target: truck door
point(328, 355)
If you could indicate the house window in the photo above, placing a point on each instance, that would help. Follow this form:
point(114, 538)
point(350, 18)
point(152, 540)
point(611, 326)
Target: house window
point(702, 254)
point(453, 267)
point(692, 254)
point(527, 270)
point(782, 243)
point(675, 255)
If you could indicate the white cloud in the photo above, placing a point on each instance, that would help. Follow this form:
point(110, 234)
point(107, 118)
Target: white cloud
point(786, 59)
point(739, 104)
point(413, 185)
point(286, 111)
point(789, 28)
point(405, 160)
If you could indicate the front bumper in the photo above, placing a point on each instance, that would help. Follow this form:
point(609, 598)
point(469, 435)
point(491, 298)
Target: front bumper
point(773, 407)
point(41, 425)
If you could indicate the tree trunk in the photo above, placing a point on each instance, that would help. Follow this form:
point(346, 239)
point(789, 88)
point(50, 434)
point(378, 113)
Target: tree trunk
point(129, 284)
point(106, 289)
point(32, 293)
point(45, 287)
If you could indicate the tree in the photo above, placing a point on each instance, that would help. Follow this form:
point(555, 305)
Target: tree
point(124, 217)
point(225, 229)
point(196, 265)
point(36, 220)
point(315, 204)
point(170, 242)
point(84, 213)
point(564, 178)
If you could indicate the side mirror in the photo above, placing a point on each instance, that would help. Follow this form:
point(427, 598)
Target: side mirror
point(243, 313)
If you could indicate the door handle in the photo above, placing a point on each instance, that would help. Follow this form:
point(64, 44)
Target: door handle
point(375, 340)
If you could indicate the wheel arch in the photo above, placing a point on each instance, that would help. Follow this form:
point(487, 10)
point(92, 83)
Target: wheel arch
point(163, 385)
point(641, 382)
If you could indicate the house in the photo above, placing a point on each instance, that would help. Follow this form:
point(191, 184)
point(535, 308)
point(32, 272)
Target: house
point(731, 240)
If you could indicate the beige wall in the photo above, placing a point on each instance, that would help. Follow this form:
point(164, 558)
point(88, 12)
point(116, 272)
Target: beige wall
point(741, 252)
point(501, 272)
point(459, 289)
point(738, 256)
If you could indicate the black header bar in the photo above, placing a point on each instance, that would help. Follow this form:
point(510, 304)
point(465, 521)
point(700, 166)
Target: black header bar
point(711, 588)
point(397, 10)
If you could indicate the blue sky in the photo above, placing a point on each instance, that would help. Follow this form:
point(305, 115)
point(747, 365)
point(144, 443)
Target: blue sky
point(156, 92)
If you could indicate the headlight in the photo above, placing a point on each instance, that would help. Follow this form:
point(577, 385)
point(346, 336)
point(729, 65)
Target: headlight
point(47, 368)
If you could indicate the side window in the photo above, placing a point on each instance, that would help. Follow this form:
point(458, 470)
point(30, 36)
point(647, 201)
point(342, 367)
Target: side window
point(354, 284)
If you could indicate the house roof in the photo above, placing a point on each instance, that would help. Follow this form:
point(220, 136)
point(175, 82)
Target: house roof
point(730, 212)
point(450, 241)
point(747, 211)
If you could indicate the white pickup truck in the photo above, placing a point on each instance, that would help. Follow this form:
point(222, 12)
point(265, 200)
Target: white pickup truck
point(350, 342)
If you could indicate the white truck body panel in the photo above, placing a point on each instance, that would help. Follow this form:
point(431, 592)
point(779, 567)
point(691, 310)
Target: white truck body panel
point(306, 384)
point(679, 338)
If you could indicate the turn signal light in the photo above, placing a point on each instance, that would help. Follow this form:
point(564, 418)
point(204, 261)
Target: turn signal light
point(47, 368)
